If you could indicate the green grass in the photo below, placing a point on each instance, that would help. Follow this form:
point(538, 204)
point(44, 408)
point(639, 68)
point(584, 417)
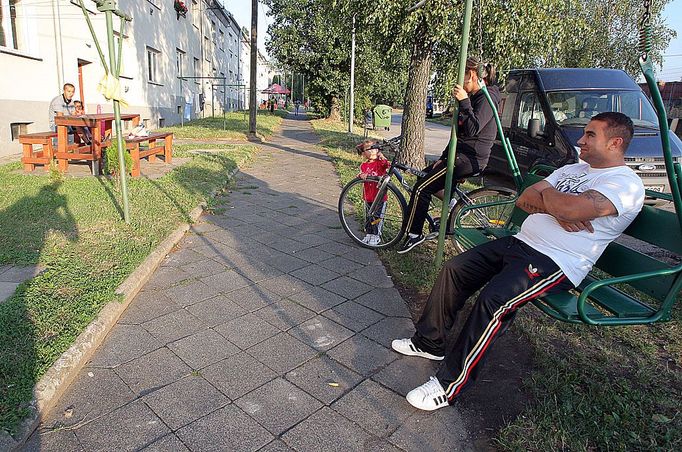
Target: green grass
point(617, 388)
point(440, 120)
point(236, 123)
point(72, 226)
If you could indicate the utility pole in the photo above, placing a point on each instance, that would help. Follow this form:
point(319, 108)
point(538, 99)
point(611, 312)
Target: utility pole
point(352, 80)
point(253, 68)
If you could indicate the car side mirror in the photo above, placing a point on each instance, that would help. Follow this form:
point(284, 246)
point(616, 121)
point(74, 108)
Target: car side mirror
point(534, 128)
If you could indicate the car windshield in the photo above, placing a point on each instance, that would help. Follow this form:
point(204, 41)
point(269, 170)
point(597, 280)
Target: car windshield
point(575, 108)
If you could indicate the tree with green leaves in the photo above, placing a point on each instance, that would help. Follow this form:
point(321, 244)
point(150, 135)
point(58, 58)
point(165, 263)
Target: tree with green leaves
point(313, 37)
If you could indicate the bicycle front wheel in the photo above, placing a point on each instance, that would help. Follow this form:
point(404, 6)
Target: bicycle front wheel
point(484, 218)
point(359, 222)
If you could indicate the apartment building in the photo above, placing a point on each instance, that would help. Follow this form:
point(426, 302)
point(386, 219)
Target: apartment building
point(173, 67)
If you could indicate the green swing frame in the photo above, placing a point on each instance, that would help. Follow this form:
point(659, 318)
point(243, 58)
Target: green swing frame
point(626, 286)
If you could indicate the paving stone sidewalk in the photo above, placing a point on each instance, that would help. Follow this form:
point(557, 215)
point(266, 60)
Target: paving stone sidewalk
point(267, 329)
point(11, 276)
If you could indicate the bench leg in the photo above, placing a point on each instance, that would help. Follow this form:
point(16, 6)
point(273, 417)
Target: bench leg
point(135, 154)
point(168, 148)
point(28, 153)
point(152, 157)
point(48, 153)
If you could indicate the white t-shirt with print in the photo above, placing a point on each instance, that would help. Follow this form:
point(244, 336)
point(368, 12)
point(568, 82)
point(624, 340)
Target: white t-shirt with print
point(576, 252)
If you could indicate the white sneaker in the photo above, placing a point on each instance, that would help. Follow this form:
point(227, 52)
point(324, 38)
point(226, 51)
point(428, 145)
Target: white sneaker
point(429, 396)
point(366, 239)
point(374, 240)
point(406, 347)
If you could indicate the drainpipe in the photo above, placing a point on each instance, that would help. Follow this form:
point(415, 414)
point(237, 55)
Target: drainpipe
point(58, 45)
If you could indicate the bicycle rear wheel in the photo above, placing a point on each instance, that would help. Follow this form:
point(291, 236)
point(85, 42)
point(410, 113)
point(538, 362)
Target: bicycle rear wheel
point(355, 216)
point(484, 218)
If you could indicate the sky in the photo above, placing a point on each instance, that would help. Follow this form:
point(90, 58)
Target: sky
point(241, 10)
point(672, 57)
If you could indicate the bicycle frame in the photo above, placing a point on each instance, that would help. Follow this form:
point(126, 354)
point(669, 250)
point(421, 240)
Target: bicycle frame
point(394, 171)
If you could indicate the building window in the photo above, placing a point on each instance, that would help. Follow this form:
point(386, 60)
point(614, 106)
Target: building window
point(8, 24)
point(223, 82)
point(221, 43)
point(179, 62)
point(153, 65)
point(18, 128)
point(197, 70)
point(207, 48)
point(196, 16)
point(213, 31)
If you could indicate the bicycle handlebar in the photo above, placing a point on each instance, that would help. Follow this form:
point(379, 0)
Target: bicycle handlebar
point(393, 144)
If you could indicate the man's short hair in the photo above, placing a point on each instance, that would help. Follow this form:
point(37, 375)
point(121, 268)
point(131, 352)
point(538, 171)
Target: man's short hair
point(70, 85)
point(619, 126)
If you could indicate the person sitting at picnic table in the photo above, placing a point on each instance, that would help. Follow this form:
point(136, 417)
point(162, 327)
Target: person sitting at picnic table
point(83, 132)
point(573, 215)
point(62, 104)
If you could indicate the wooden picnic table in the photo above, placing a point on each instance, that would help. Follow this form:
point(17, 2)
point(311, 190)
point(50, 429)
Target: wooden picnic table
point(99, 125)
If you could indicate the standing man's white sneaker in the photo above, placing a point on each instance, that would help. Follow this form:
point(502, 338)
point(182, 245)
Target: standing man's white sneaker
point(406, 347)
point(429, 396)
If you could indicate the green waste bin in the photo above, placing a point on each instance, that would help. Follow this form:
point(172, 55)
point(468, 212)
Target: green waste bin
point(382, 116)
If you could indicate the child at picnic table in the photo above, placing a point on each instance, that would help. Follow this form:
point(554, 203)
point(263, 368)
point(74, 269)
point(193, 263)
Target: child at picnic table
point(83, 132)
point(375, 165)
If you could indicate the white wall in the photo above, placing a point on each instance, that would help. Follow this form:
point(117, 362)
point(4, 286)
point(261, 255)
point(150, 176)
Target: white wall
point(55, 37)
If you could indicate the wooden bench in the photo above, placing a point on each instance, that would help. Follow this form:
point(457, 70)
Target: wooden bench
point(597, 301)
point(43, 156)
point(137, 152)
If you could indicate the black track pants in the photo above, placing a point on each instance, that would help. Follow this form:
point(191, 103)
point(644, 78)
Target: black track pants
point(514, 272)
point(432, 183)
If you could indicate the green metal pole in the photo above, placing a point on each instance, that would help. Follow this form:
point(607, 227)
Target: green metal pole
point(107, 7)
point(453, 135)
point(506, 145)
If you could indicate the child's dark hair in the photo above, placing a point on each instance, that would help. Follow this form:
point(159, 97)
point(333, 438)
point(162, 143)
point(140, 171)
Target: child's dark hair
point(77, 103)
point(485, 71)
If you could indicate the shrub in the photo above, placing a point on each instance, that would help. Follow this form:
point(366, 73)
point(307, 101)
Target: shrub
point(111, 165)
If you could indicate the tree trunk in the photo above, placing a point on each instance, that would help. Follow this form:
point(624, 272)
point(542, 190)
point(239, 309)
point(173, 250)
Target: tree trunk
point(334, 109)
point(414, 115)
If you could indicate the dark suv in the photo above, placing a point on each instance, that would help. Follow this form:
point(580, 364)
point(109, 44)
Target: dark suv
point(544, 111)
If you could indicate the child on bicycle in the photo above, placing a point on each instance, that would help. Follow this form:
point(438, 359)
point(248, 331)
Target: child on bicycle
point(375, 165)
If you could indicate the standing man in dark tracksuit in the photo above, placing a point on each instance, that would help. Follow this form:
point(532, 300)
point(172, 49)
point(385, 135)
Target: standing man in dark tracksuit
point(574, 214)
point(475, 137)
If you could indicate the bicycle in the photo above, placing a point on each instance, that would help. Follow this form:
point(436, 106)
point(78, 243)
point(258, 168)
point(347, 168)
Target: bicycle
point(388, 208)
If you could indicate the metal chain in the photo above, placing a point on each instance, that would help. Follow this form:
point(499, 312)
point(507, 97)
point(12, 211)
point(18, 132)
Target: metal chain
point(480, 32)
point(645, 31)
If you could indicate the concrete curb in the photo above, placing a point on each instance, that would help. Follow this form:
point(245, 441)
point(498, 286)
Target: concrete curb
point(62, 373)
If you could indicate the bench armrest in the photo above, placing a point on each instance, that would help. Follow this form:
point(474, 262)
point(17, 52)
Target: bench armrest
point(582, 299)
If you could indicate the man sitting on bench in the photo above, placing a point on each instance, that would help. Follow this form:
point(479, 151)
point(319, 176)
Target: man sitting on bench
point(574, 214)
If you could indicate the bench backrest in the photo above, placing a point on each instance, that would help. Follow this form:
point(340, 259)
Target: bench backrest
point(653, 226)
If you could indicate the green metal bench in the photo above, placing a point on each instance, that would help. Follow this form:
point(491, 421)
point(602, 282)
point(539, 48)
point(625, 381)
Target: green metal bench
point(626, 286)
